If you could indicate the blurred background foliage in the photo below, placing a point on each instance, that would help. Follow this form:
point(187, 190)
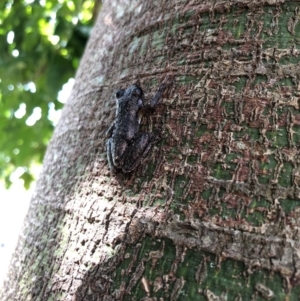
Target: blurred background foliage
point(41, 43)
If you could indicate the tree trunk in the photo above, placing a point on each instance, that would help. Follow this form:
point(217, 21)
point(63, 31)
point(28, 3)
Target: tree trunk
point(212, 212)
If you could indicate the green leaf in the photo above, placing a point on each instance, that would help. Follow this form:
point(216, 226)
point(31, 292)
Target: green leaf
point(44, 54)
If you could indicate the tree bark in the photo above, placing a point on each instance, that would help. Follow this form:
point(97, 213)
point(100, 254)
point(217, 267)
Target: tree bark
point(212, 212)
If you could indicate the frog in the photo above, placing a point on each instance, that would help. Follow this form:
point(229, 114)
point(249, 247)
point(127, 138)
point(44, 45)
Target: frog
point(126, 146)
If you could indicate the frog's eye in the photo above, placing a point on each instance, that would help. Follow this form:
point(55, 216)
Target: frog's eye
point(120, 93)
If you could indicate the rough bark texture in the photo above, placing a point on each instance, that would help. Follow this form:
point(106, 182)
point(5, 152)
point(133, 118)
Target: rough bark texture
point(213, 212)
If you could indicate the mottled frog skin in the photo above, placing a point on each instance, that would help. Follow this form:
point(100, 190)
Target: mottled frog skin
point(126, 146)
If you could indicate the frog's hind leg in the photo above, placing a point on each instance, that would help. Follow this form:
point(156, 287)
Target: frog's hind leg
point(109, 157)
point(138, 150)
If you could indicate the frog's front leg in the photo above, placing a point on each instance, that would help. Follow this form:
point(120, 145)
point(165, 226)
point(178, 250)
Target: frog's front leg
point(109, 132)
point(151, 106)
point(137, 150)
